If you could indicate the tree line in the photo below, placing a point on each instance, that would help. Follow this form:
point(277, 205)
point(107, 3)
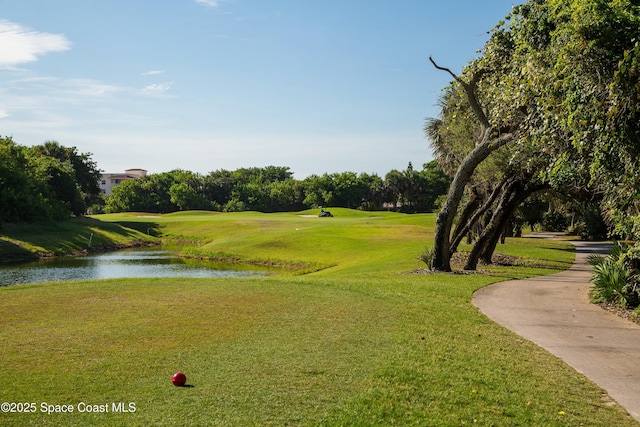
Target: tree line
point(550, 105)
point(45, 182)
point(273, 189)
point(53, 182)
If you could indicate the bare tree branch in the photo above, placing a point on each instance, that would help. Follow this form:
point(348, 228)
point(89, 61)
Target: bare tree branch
point(470, 90)
point(447, 70)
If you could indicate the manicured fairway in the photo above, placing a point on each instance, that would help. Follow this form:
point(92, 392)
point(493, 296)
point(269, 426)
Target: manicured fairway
point(341, 337)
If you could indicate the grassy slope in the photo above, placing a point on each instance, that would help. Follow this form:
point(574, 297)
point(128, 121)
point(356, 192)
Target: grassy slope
point(23, 241)
point(357, 343)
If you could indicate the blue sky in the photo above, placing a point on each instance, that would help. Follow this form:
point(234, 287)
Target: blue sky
point(318, 86)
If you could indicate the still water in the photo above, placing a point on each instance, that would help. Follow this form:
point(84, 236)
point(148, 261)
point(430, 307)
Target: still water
point(127, 263)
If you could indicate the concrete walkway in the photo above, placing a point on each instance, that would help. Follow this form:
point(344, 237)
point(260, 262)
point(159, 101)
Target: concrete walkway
point(554, 312)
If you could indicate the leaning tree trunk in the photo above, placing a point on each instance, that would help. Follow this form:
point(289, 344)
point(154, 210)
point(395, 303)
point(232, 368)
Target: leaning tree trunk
point(488, 240)
point(465, 217)
point(444, 221)
point(465, 227)
point(487, 252)
point(492, 226)
point(488, 143)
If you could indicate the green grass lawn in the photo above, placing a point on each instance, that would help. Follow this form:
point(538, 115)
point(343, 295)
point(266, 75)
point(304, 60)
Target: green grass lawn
point(342, 336)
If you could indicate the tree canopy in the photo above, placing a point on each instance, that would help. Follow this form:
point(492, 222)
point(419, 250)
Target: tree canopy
point(45, 182)
point(552, 101)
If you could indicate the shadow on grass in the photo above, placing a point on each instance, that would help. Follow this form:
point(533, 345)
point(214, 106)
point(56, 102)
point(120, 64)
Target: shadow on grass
point(123, 228)
point(148, 228)
point(11, 252)
point(571, 249)
point(73, 236)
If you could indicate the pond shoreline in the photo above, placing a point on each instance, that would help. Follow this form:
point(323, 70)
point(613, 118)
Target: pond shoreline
point(24, 256)
point(25, 242)
point(133, 262)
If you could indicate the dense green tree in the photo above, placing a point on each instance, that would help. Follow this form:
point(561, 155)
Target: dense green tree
point(265, 189)
point(374, 191)
point(152, 193)
point(56, 181)
point(50, 181)
point(551, 84)
point(576, 76)
point(346, 189)
point(187, 198)
point(126, 197)
point(349, 190)
point(318, 190)
point(394, 183)
point(44, 182)
point(265, 174)
point(249, 196)
point(218, 185)
point(286, 196)
point(18, 199)
point(533, 211)
point(414, 191)
point(437, 183)
point(86, 171)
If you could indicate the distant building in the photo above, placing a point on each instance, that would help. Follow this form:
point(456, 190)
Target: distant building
point(110, 180)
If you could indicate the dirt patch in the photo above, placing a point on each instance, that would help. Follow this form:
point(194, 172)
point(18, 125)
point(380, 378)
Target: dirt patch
point(427, 271)
point(459, 259)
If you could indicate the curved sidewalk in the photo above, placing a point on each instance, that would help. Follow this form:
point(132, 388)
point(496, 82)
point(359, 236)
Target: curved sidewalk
point(554, 312)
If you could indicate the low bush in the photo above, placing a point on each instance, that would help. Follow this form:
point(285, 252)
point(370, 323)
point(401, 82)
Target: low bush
point(615, 279)
point(427, 256)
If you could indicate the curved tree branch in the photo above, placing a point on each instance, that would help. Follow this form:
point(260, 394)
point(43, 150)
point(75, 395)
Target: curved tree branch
point(470, 90)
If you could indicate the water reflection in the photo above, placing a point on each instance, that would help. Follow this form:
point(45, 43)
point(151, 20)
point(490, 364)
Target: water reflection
point(120, 264)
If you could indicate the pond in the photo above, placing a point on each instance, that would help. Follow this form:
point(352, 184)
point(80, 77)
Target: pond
point(126, 263)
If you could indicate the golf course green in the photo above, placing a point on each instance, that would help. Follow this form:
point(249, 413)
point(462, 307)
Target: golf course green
point(346, 331)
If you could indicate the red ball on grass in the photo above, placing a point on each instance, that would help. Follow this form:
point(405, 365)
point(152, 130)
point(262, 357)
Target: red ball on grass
point(179, 379)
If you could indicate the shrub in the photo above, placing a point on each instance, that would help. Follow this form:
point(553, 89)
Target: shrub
point(609, 281)
point(427, 256)
point(614, 280)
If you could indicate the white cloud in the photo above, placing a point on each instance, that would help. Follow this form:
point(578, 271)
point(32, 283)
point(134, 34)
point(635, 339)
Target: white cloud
point(19, 45)
point(157, 87)
point(62, 90)
point(153, 72)
point(210, 3)
point(89, 88)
